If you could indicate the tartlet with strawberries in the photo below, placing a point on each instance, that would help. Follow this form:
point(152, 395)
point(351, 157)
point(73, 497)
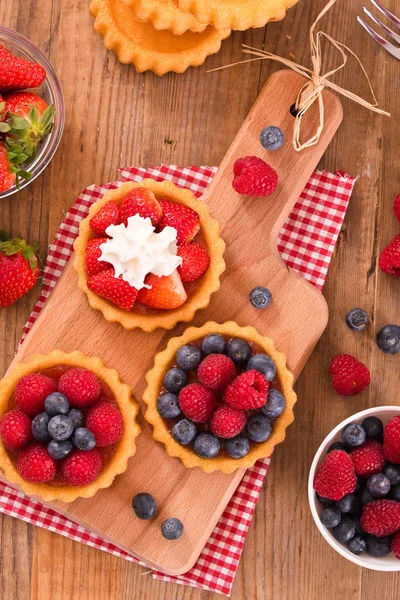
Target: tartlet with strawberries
point(149, 255)
point(220, 397)
point(67, 426)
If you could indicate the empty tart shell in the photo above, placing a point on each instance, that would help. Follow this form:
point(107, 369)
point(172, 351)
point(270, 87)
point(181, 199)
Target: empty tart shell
point(198, 298)
point(124, 449)
point(164, 360)
point(148, 49)
point(165, 14)
point(237, 14)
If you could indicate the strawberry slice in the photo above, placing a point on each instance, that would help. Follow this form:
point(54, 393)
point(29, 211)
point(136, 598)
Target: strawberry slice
point(93, 253)
point(195, 261)
point(182, 218)
point(165, 292)
point(142, 202)
point(114, 289)
point(108, 215)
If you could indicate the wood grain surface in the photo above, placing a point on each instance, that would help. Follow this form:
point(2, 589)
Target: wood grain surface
point(116, 117)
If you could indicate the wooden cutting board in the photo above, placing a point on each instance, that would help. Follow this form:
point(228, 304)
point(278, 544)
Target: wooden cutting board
point(295, 321)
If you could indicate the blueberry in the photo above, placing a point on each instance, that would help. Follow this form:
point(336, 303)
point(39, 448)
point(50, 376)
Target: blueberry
point(77, 417)
point(260, 297)
point(345, 531)
point(239, 351)
point(324, 501)
point(354, 435)
point(392, 472)
point(338, 446)
point(388, 339)
point(168, 406)
point(395, 492)
point(56, 404)
point(214, 344)
point(83, 439)
point(264, 364)
point(357, 319)
point(144, 505)
point(348, 504)
point(272, 138)
point(172, 529)
point(59, 450)
point(60, 428)
point(258, 428)
point(373, 428)
point(365, 497)
point(275, 404)
point(357, 521)
point(188, 357)
point(378, 485)
point(357, 545)
point(184, 431)
point(39, 427)
point(207, 445)
point(377, 546)
point(331, 517)
point(359, 485)
point(174, 380)
point(237, 447)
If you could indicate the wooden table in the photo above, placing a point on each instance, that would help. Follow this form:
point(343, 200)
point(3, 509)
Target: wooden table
point(116, 117)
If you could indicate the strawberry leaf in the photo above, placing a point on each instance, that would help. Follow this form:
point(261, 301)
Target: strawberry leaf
point(4, 127)
point(4, 237)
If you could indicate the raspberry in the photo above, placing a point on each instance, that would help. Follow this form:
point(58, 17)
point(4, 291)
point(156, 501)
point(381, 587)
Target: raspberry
point(216, 371)
point(389, 260)
point(336, 476)
point(391, 440)
point(81, 467)
point(349, 376)
point(15, 429)
point(31, 392)
point(381, 517)
point(197, 402)
point(36, 465)
point(254, 177)
point(248, 391)
point(227, 421)
point(396, 539)
point(195, 261)
point(368, 459)
point(397, 207)
point(106, 423)
point(108, 215)
point(80, 386)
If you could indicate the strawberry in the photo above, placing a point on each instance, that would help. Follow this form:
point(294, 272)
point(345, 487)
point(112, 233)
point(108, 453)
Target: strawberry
point(227, 422)
point(108, 215)
point(82, 467)
point(389, 260)
point(254, 177)
point(36, 465)
point(336, 476)
point(381, 517)
point(349, 376)
point(17, 73)
point(80, 386)
point(114, 289)
point(15, 429)
point(19, 269)
point(396, 545)
point(20, 103)
point(165, 292)
point(7, 177)
point(2, 110)
point(106, 423)
point(197, 402)
point(182, 218)
point(391, 440)
point(142, 202)
point(397, 207)
point(32, 390)
point(248, 391)
point(216, 371)
point(93, 253)
point(368, 458)
point(195, 261)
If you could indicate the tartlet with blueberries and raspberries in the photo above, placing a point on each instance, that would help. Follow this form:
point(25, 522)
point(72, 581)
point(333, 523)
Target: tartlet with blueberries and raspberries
point(220, 397)
point(149, 255)
point(67, 426)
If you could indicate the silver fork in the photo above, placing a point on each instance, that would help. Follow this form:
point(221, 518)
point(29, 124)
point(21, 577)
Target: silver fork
point(391, 48)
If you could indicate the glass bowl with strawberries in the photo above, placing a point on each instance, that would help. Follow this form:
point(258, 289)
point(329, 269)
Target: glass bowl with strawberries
point(32, 112)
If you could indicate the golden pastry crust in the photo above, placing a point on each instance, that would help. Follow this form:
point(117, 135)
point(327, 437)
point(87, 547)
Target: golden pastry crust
point(148, 49)
point(236, 14)
point(199, 298)
point(165, 14)
point(125, 448)
point(155, 378)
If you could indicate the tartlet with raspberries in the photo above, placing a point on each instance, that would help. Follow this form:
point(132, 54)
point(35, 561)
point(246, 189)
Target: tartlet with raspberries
point(67, 426)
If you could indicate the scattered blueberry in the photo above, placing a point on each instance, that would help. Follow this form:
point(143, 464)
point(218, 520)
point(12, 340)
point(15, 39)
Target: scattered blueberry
point(175, 379)
point(184, 431)
point(275, 404)
point(354, 435)
point(394, 493)
point(350, 503)
point(338, 446)
point(239, 351)
point(237, 447)
point(264, 364)
point(60, 427)
point(83, 439)
point(188, 357)
point(272, 138)
point(56, 404)
point(365, 497)
point(388, 339)
point(357, 545)
point(324, 501)
point(214, 343)
point(258, 428)
point(392, 472)
point(345, 531)
point(206, 445)
point(378, 485)
point(144, 505)
point(172, 529)
point(331, 517)
point(59, 450)
point(377, 546)
point(357, 319)
point(260, 297)
point(39, 427)
point(373, 428)
point(77, 417)
point(168, 406)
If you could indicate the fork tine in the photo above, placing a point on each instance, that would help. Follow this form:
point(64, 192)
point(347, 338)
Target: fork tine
point(378, 38)
point(390, 33)
point(395, 20)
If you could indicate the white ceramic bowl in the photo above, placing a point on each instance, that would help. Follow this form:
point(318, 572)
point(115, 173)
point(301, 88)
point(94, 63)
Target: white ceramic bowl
point(387, 563)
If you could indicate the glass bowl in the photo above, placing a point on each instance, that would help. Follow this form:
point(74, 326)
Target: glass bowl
point(51, 92)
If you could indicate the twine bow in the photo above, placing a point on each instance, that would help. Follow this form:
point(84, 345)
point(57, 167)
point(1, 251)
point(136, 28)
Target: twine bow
point(312, 90)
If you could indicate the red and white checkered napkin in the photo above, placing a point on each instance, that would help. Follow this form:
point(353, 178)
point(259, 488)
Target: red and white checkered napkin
point(306, 243)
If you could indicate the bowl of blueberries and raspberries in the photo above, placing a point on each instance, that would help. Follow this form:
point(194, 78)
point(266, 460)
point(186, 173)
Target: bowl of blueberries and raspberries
point(354, 488)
